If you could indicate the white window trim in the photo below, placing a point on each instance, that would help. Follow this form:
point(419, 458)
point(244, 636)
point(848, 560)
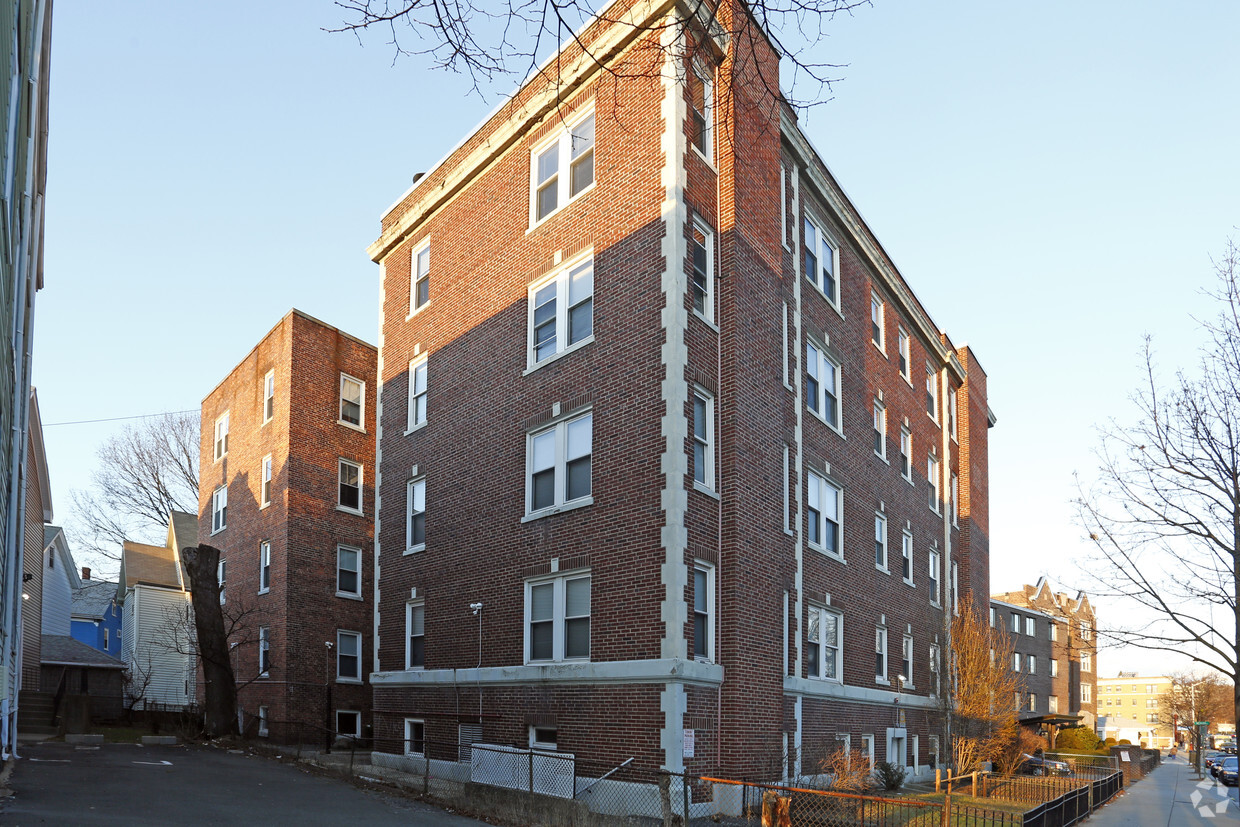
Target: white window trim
point(824, 239)
point(905, 348)
point(954, 494)
point(412, 423)
point(934, 562)
point(907, 473)
point(880, 523)
point(826, 486)
point(867, 749)
point(908, 653)
point(266, 476)
point(361, 487)
point(839, 644)
point(361, 414)
point(559, 503)
point(221, 576)
point(955, 567)
point(906, 553)
point(410, 498)
point(933, 470)
point(1031, 662)
point(409, 750)
point(709, 570)
point(820, 414)
point(932, 390)
point(708, 452)
point(219, 506)
point(877, 303)
point(707, 76)
point(262, 722)
point(264, 645)
point(269, 394)
point(409, 607)
point(708, 301)
point(221, 436)
point(562, 276)
point(559, 619)
point(880, 415)
point(264, 566)
point(340, 635)
point(357, 733)
point(546, 746)
point(562, 138)
point(357, 595)
point(414, 309)
point(881, 648)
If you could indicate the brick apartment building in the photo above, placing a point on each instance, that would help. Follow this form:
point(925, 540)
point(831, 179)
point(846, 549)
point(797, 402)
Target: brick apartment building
point(1132, 707)
point(285, 493)
point(673, 464)
point(1068, 623)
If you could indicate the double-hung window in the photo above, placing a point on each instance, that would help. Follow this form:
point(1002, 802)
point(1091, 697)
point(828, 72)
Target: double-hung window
point(558, 462)
point(415, 515)
point(420, 277)
point(264, 651)
point(350, 486)
point(557, 618)
point(348, 656)
point(703, 611)
point(561, 312)
point(880, 541)
point(906, 561)
point(221, 436)
point(417, 393)
point(1016, 661)
point(904, 357)
point(951, 415)
point(1015, 627)
point(822, 384)
point(219, 509)
point(1032, 664)
point(824, 632)
point(933, 565)
point(703, 248)
point(221, 575)
point(821, 261)
point(703, 440)
point(1087, 662)
point(264, 567)
point(955, 587)
point(1030, 626)
point(906, 454)
point(701, 92)
point(906, 662)
point(880, 654)
point(269, 396)
point(954, 493)
point(415, 737)
point(1053, 631)
point(880, 429)
point(563, 168)
point(348, 571)
point(824, 506)
point(352, 401)
point(934, 668)
point(932, 477)
point(878, 325)
point(415, 635)
point(265, 492)
point(932, 392)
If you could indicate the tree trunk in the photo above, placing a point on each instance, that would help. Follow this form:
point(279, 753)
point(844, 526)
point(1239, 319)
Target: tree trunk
point(220, 703)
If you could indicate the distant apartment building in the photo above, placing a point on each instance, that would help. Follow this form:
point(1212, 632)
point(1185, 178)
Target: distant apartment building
point(1069, 624)
point(674, 464)
point(286, 494)
point(1131, 707)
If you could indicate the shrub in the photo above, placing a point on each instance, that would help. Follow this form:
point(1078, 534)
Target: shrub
point(890, 776)
point(1124, 742)
point(1076, 737)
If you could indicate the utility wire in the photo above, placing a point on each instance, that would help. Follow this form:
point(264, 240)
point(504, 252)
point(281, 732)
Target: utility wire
point(116, 418)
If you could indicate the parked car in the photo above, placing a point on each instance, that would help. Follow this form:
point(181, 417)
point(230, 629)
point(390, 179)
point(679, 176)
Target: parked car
point(1229, 771)
point(1209, 759)
point(1036, 765)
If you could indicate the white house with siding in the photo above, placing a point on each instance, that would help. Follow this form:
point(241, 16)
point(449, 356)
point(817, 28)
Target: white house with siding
point(157, 618)
point(60, 579)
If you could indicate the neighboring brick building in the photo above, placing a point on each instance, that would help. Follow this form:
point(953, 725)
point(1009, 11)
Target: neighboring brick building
point(673, 418)
point(1074, 646)
point(287, 454)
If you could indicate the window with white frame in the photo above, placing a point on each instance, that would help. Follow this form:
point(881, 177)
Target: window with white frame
point(348, 571)
point(415, 515)
point(1087, 662)
point(221, 572)
point(1016, 661)
point(1033, 702)
point(821, 261)
point(880, 541)
point(824, 506)
point(880, 653)
point(904, 359)
point(823, 638)
point(420, 277)
point(906, 661)
point(880, 429)
point(906, 454)
point(878, 311)
point(933, 565)
point(701, 92)
point(219, 509)
point(269, 396)
point(1087, 693)
point(1030, 627)
point(704, 439)
point(787, 489)
point(703, 249)
point(415, 635)
point(934, 668)
point(221, 436)
point(955, 495)
point(1087, 630)
point(265, 486)
point(264, 567)
point(867, 749)
point(1015, 627)
point(349, 722)
point(264, 651)
point(544, 738)
point(558, 460)
point(951, 414)
point(1052, 704)
point(350, 486)
point(1054, 668)
point(415, 737)
point(955, 587)
point(561, 311)
point(557, 618)
point(932, 477)
point(262, 722)
point(906, 558)
point(822, 384)
point(992, 617)
point(932, 392)
point(352, 401)
point(562, 168)
point(417, 393)
point(348, 656)
point(1031, 664)
point(703, 611)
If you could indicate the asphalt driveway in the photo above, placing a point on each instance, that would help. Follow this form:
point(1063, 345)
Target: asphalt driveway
point(127, 784)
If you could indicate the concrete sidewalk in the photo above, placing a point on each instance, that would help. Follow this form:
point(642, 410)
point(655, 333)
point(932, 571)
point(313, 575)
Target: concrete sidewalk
point(1170, 796)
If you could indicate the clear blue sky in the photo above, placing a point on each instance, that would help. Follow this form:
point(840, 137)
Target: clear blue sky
point(1051, 178)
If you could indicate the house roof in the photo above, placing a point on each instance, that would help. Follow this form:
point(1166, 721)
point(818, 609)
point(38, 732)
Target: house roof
point(93, 598)
point(182, 530)
point(151, 565)
point(55, 542)
point(62, 650)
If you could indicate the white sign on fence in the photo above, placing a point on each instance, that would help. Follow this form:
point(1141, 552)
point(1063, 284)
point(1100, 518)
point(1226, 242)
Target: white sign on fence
point(688, 743)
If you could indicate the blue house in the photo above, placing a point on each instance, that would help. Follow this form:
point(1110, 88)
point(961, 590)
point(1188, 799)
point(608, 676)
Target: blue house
point(96, 619)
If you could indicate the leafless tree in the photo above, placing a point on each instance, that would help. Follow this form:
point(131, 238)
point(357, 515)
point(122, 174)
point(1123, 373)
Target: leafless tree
point(507, 39)
point(1164, 512)
point(982, 696)
point(142, 473)
point(1196, 696)
point(136, 680)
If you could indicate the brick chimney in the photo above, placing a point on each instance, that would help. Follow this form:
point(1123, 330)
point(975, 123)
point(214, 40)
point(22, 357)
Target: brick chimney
point(85, 572)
